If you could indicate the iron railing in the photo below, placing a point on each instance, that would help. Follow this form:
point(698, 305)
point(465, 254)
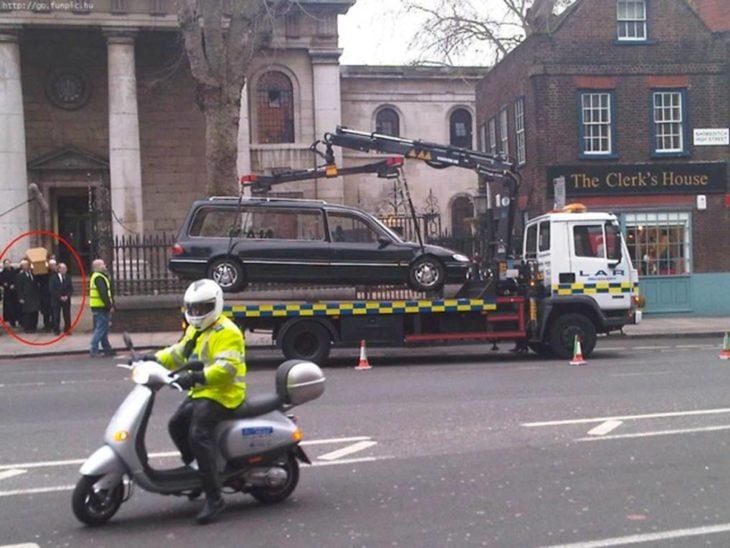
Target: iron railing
point(140, 266)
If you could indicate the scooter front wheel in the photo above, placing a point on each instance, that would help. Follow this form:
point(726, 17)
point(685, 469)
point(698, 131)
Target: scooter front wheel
point(272, 495)
point(95, 507)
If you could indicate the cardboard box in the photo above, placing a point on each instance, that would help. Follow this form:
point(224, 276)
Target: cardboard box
point(38, 257)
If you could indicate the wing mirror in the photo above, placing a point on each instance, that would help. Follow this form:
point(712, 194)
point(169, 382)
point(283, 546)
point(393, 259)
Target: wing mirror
point(383, 242)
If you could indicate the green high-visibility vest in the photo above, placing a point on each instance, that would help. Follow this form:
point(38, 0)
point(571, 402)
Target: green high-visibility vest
point(95, 300)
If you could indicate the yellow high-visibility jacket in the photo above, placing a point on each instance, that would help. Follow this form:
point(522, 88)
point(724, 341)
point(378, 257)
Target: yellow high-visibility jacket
point(222, 349)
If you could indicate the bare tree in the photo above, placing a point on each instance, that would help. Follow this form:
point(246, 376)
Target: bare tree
point(221, 39)
point(453, 28)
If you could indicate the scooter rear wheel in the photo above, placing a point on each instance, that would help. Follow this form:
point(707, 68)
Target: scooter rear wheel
point(272, 495)
point(95, 507)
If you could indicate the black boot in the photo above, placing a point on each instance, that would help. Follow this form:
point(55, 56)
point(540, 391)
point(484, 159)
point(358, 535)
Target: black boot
point(211, 508)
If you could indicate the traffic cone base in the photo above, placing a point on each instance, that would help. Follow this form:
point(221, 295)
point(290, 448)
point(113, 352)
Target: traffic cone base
point(725, 353)
point(577, 353)
point(363, 364)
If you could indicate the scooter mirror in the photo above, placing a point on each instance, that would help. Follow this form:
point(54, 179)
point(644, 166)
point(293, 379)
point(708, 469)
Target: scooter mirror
point(128, 343)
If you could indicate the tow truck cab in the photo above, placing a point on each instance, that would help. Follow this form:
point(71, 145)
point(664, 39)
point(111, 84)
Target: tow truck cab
point(584, 267)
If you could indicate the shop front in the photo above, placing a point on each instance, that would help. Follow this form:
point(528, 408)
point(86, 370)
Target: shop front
point(675, 221)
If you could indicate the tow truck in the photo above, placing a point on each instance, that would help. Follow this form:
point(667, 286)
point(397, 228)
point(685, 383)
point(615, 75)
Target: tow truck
point(573, 280)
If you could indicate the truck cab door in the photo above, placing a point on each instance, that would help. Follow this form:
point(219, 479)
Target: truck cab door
point(602, 267)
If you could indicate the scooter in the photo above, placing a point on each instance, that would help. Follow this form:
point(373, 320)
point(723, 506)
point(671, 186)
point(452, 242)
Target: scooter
point(259, 449)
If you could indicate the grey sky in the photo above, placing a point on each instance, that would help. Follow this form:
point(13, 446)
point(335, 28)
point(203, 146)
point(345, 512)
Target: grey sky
point(378, 32)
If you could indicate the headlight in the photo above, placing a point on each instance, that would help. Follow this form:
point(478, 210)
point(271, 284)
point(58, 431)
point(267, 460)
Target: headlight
point(460, 258)
point(140, 375)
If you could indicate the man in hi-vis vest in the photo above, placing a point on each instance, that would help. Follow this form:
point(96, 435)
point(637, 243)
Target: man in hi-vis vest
point(213, 347)
point(101, 301)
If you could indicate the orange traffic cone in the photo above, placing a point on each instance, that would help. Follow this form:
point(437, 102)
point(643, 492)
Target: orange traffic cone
point(363, 364)
point(725, 353)
point(577, 353)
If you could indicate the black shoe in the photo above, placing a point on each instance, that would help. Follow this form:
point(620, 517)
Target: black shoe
point(210, 511)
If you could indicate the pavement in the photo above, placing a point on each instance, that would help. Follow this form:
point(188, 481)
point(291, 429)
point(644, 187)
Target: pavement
point(17, 344)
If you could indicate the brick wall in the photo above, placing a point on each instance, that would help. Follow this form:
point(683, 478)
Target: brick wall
point(582, 53)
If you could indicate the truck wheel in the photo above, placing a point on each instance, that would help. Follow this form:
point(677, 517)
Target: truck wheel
point(542, 349)
point(307, 341)
point(426, 274)
point(228, 273)
point(563, 332)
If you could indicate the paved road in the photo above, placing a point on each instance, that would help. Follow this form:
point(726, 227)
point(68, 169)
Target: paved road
point(469, 450)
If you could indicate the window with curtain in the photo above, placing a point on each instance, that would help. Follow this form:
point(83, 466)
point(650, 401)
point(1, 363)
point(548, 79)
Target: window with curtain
point(669, 121)
point(631, 19)
point(596, 123)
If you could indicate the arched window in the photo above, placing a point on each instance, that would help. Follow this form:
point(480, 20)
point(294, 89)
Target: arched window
point(275, 108)
point(461, 210)
point(460, 128)
point(387, 122)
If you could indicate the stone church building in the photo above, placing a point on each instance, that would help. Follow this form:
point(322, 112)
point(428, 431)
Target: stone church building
point(98, 109)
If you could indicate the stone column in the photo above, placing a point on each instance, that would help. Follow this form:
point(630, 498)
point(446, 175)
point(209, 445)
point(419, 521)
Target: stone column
point(243, 163)
point(328, 111)
point(13, 174)
point(124, 151)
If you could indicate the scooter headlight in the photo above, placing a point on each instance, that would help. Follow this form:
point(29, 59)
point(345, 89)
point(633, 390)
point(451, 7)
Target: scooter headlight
point(140, 375)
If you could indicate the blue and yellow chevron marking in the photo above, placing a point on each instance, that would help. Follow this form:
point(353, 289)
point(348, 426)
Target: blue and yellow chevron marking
point(596, 288)
point(356, 308)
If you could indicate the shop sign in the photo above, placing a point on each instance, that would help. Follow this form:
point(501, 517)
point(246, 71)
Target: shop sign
point(711, 136)
point(636, 179)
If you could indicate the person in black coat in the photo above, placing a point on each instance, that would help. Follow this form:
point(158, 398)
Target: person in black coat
point(11, 307)
point(60, 289)
point(42, 280)
point(29, 296)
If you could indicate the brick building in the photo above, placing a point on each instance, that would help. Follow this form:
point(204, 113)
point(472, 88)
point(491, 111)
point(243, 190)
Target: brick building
point(97, 107)
point(628, 101)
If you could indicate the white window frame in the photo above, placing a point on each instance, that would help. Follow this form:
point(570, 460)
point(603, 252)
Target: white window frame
point(631, 20)
point(520, 130)
point(668, 116)
point(644, 235)
point(596, 121)
point(493, 136)
point(504, 133)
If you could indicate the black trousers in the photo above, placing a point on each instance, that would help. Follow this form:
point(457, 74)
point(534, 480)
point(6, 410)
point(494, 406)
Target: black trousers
point(192, 428)
point(30, 321)
point(56, 311)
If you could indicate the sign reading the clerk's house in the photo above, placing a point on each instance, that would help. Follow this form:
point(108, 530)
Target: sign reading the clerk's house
point(634, 179)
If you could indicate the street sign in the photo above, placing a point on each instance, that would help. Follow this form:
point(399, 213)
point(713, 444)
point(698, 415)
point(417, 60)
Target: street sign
point(559, 191)
point(711, 136)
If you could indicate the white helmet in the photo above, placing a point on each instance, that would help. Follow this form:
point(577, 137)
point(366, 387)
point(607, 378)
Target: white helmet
point(203, 303)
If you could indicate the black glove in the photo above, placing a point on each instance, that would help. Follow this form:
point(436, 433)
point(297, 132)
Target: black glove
point(189, 379)
point(195, 365)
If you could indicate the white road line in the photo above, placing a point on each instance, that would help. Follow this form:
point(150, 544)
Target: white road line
point(629, 417)
point(605, 428)
point(641, 374)
point(650, 347)
point(56, 489)
point(335, 440)
point(349, 450)
point(5, 474)
point(37, 490)
point(70, 462)
point(24, 545)
point(648, 537)
point(659, 433)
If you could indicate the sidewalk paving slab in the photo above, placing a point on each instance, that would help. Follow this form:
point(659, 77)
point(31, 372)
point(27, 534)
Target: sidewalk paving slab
point(78, 342)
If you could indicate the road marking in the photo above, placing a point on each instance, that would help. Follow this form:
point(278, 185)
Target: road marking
point(648, 537)
point(640, 374)
point(659, 433)
point(605, 428)
point(349, 450)
point(37, 490)
point(24, 545)
point(56, 489)
point(629, 417)
point(163, 454)
point(11, 473)
point(650, 347)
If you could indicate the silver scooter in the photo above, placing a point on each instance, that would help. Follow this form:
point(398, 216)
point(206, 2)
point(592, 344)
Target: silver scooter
point(258, 447)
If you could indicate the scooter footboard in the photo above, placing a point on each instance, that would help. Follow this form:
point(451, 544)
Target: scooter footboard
point(104, 463)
